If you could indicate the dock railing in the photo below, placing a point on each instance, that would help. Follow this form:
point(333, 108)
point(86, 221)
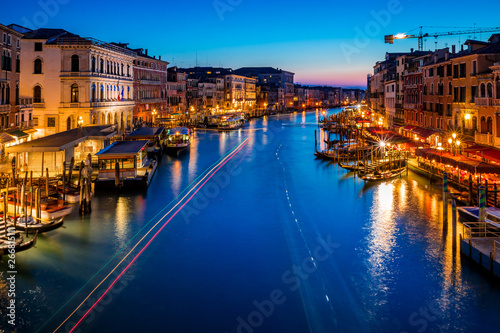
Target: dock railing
point(473, 230)
point(496, 245)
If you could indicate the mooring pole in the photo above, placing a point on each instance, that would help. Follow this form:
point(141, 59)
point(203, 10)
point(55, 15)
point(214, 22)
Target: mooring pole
point(445, 198)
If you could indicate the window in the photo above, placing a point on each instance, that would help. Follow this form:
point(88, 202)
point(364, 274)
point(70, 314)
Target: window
point(462, 70)
point(18, 43)
point(450, 89)
point(448, 70)
point(18, 64)
point(93, 92)
point(455, 94)
point(93, 64)
point(35, 121)
point(37, 94)
point(75, 63)
point(74, 93)
point(455, 71)
point(17, 94)
point(8, 39)
point(37, 66)
point(38, 47)
point(431, 72)
point(473, 93)
point(4, 38)
point(51, 121)
point(6, 61)
point(474, 68)
point(462, 94)
point(101, 67)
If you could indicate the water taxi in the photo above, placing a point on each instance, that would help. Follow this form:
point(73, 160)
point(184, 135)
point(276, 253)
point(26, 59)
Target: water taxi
point(178, 139)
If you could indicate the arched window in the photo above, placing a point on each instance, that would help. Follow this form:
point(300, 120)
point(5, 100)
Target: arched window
point(94, 119)
point(17, 94)
point(37, 94)
point(7, 94)
point(484, 128)
point(128, 70)
point(37, 66)
point(489, 125)
point(93, 92)
point(474, 123)
point(75, 63)
point(489, 90)
point(102, 66)
point(425, 89)
point(102, 93)
point(74, 93)
point(497, 87)
point(123, 72)
point(128, 93)
point(68, 123)
point(483, 90)
point(93, 65)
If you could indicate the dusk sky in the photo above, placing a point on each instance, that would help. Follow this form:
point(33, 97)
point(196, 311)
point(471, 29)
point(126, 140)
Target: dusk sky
point(322, 42)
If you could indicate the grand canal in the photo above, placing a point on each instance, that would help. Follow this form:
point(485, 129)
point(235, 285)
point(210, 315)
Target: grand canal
point(248, 232)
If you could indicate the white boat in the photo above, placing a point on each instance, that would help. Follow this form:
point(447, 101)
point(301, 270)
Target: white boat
point(178, 138)
point(231, 123)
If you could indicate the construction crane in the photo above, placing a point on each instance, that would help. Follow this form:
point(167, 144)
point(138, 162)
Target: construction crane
point(389, 39)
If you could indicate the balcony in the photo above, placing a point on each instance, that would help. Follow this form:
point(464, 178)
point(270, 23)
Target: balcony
point(5, 108)
point(410, 106)
point(26, 124)
point(484, 101)
point(150, 82)
point(484, 138)
point(96, 74)
point(152, 100)
point(40, 105)
point(496, 102)
point(123, 102)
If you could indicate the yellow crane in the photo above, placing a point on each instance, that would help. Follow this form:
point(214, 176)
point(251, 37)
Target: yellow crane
point(389, 39)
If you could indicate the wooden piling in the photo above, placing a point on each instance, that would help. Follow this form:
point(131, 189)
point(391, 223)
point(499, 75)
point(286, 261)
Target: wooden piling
point(445, 198)
point(47, 183)
point(482, 210)
point(64, 182)
point(454, 220)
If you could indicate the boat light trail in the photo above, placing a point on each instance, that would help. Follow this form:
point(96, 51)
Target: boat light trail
point(198, 180)
point(208, 176)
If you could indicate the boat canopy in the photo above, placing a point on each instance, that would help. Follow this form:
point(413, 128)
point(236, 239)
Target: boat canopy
point(178, 131)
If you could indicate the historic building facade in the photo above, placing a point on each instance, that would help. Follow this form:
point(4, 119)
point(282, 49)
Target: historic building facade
point(75, 81)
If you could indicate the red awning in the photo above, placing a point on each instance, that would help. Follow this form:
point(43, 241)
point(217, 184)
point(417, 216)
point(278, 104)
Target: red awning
point(476, 147)
point(408, 127)
point(491, 154)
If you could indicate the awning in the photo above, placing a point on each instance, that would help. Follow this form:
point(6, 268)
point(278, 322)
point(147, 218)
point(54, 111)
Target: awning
point(6, 138)
point(18, 134)
point(486, 152)
point(458, 161)
point(476, 147)
point(408, 127)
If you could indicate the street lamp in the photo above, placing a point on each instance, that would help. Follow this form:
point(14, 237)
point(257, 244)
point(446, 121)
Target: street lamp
point(154, 115)
point(80, 121)
point(454, 143)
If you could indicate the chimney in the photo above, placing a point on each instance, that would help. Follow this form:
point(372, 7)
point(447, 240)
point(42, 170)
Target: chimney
point(159, 57)
point(435, 58)
point(446, 55)
point(453, 49)
point(146, 51)
point(411, 50)
point(462, 47)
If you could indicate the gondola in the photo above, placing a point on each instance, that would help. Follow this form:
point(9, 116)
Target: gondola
point(352, 167)
point(19, 243)
point(382, 175)
point(34, 225)
point(324, 155)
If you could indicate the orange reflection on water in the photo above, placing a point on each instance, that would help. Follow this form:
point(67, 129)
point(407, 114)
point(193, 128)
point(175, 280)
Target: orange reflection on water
point(176, 177)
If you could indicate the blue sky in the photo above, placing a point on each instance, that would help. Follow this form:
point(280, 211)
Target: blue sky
point(323, 42)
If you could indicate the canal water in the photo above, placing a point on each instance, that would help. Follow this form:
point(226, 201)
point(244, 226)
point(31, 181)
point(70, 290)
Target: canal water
point(248, 232)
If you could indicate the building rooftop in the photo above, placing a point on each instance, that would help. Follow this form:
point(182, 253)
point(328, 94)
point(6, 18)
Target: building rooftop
point(146, 132)
point(260, 70)
point(64, 140)
point(122, 149)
